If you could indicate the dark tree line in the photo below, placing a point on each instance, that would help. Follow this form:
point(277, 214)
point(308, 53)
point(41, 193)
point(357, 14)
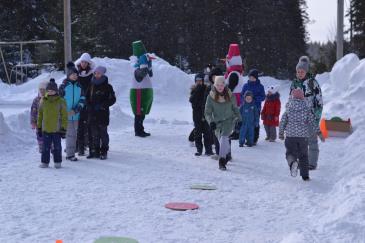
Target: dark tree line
point(271, 34)
point(356, 14)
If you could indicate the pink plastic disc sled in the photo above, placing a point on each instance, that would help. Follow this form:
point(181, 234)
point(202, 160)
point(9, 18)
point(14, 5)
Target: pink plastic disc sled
point(181, 206)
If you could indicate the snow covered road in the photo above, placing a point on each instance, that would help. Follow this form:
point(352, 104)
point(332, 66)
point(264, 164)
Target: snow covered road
point(256, 200)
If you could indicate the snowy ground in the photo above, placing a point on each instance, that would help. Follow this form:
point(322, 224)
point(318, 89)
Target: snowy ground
point(256, 200)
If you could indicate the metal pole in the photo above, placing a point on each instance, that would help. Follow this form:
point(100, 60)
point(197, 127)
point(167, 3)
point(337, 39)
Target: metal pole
point(339, 37)
point(6, 71)
point(21, 65)
point(67, 30)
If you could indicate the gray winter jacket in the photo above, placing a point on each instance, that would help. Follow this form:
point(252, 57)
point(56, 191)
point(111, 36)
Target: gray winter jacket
point(297, 119)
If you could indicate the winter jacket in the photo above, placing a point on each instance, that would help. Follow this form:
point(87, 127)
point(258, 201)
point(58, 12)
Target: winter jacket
point(271, 111)
point(250, 114)
point(34, 110)
point(71, 91)
point(312, 93)
point(84, 78)
point(197, 100)
point(224, 113)
point(99, 98)
point(297, 120)
point(258, 91)
point(52, 114)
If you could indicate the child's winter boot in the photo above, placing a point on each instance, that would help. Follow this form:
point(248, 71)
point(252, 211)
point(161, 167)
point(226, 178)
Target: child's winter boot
point(222, 164)
point(43, 165)
point(57, 165)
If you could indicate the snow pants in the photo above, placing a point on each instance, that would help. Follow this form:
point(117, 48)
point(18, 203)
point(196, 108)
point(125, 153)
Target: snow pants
point(297, 150)
point(71, 137)
point(270, 132)
point(100, 139)
point(224, 147)
point(313, 149)
point(48, 140)
point(247, 133)
point(40, 143)
point(83, 133)
point(202, 132)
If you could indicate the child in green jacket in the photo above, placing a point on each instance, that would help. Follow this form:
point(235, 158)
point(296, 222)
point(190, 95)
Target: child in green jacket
point(52, 121)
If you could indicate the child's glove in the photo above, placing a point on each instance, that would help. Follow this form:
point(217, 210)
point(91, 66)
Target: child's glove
point(281, 136)
point(39, 132)
point(213, 126)
point(321, 137)
point(63, 133)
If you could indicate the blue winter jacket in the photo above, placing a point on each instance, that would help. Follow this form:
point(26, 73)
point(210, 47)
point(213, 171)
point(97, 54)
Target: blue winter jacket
point(250, 114)
point(258, 91)
point(72, 92)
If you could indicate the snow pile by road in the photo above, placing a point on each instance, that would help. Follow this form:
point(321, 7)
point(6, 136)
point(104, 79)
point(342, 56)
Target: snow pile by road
point(170, 83)
point(344, 90)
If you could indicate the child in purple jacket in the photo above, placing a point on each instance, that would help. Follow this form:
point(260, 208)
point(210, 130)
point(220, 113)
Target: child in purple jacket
point(34, 111)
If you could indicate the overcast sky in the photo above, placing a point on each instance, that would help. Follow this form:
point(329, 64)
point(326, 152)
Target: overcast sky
point(323, 14)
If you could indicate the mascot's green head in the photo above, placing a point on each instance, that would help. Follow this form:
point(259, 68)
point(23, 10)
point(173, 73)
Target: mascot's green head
point(138, 48)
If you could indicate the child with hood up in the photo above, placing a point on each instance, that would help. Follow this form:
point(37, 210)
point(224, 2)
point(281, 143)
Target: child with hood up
point(250, 119)
point(85, 67)
point(34, 110)
point(271, 112)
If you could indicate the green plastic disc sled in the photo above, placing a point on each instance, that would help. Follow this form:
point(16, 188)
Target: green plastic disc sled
point(203, 187)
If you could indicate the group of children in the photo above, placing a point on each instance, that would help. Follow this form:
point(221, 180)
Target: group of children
point(218, 114)
point(78, 110)
point(216, 108)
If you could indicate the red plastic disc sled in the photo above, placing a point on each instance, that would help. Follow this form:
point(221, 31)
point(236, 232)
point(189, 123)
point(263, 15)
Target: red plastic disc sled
point(181, 206)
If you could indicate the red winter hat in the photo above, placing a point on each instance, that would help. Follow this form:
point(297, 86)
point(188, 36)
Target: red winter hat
point(298, 94)
point(234, 59)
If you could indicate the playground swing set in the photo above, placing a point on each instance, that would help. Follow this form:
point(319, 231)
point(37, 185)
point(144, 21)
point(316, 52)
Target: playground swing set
point(19, 72)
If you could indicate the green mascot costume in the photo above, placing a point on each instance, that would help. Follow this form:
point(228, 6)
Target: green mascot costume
point(141, 93)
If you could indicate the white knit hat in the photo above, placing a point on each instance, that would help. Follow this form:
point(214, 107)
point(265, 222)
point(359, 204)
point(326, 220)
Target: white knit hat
point(85, 57)
point(43, 85)
point(219, 80)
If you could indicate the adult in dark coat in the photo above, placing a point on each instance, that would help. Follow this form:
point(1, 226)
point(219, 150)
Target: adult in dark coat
point(201, 126)
point(85, 67)
point(99, 98)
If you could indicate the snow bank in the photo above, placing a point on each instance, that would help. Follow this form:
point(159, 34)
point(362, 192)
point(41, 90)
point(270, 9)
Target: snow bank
point(343, 90)
point(16, 135)
point(169, 82)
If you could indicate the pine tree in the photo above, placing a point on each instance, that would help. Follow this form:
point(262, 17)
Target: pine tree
point(357, 19)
